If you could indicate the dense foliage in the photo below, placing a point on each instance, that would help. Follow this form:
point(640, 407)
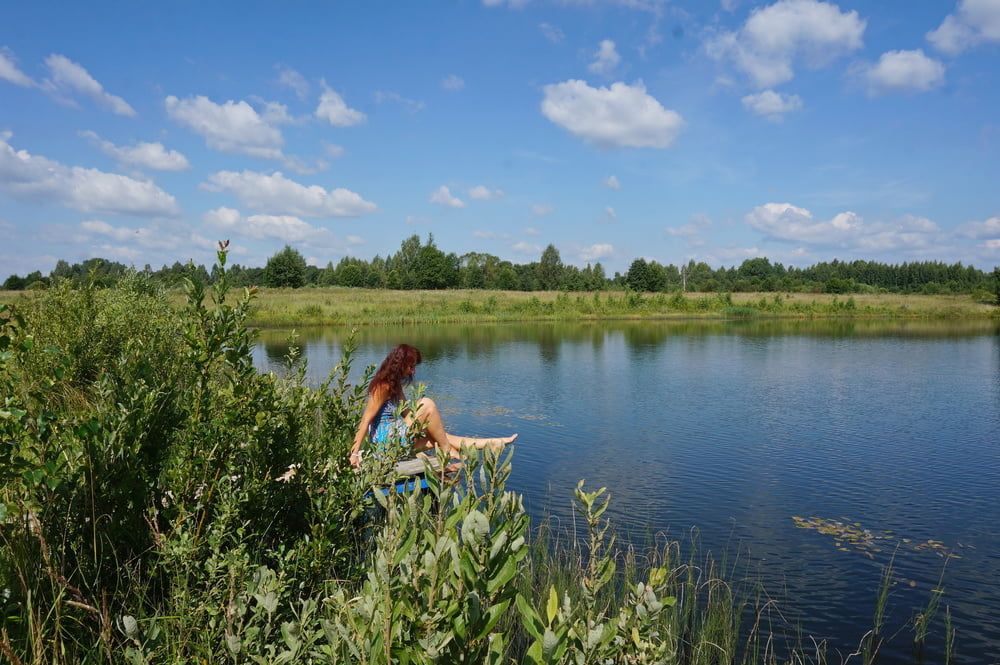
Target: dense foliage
point(162, 501)
point(424, 266)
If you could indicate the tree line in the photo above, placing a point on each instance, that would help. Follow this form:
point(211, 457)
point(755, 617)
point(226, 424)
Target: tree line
point(423, 265)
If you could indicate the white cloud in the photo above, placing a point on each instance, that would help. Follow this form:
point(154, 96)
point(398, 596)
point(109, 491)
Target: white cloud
point(276, 113)
point(552, 33)
point(596, 251)
point(975, 22)
point(274, 193)
point(619, 116)
point(773, 38)
point(532, 231)
point(488, 235)
point(411, 105)
point(541, 209)
point(786, 222)
point(904, 71)
point(612, 182)
point(233, 127)
point(522, 247)
point(772, 105)
point(10, 72)
point(610, 215)
point(334, 150)
point(335, 110)
point(142, 154)
point(290, 78)
point(484, 193)
point(141, 235)
point(66, 76)
point(989, 228)
point(286, 228)
point(443, 196)
point(690, 231)
point(452, 83)
point(36, 178)
point(606, 59)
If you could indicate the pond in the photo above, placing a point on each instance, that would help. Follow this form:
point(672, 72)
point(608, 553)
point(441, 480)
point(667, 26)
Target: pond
point(816, 451)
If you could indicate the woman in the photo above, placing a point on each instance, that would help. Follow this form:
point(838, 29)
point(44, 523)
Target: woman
point(382, 422)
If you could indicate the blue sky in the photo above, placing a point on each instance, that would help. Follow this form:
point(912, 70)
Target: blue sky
point(799, 130)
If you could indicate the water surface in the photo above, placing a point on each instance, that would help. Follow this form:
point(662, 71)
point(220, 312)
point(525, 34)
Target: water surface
point(729, 430)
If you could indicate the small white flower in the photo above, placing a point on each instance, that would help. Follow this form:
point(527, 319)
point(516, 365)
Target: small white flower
point(289, 473)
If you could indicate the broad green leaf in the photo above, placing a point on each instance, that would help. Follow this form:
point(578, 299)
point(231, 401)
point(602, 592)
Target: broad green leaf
point(553, 605)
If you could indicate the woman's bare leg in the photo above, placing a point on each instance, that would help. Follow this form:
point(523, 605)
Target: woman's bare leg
point(429, 418)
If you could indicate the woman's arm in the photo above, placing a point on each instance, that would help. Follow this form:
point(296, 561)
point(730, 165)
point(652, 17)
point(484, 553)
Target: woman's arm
point(375, 401)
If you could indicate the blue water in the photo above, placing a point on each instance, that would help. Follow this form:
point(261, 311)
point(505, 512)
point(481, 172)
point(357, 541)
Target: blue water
point(728, 430)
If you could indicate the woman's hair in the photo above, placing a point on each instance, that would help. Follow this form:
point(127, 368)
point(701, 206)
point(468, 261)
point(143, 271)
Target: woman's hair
point(393, 372)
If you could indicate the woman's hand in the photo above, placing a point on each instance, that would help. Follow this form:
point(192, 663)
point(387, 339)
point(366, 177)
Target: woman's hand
point(356, 459)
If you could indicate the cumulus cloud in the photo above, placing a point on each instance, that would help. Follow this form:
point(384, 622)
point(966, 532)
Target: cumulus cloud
point(142, 154)
point(596, 251)
point(552, 33)
point(233, 127)
point(612, 182)
point(443, 196)
point(606, 59)
point(148, 237)
point(335, 110)
point(484, 193)
point(274, 193)
point(772, 40)
point(36, 178)
point(975, 22)
point(452, 83)
point(989, 228)
point(618, 116)
point(610, 215)
point(772, 105)
point(541, 209)
point(67, 77)
point(786, 222)
point(10, 72)
point(286, 228)
point(293, 80)
point(904, 71)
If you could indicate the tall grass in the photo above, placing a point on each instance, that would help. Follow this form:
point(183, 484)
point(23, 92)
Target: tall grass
point(341, 306)
point(163, 502)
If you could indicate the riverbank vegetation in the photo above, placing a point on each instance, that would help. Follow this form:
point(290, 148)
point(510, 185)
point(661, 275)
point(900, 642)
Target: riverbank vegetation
point(424, 266)
point(161, 501)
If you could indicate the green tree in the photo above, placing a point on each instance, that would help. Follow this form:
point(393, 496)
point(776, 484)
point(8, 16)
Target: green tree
point(637, 277)
point(286, 268)
point(433, 269)
point(550, 269)
point(996, 283)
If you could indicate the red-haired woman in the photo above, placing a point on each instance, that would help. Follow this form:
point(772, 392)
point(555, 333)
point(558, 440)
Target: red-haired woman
point(382, 421)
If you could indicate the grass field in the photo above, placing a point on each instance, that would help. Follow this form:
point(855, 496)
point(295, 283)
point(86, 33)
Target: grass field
point(346, 306)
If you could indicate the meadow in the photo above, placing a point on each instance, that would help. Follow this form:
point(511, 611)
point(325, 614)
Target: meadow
point(283, 308)
point(162, 501)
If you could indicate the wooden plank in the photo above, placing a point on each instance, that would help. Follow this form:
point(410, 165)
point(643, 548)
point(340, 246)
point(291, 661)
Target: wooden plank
point(415, 466)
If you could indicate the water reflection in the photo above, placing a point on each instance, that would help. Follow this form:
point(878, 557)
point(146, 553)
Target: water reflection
point(734, 428)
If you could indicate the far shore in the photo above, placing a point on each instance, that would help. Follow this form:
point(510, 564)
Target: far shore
point(283, 308)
